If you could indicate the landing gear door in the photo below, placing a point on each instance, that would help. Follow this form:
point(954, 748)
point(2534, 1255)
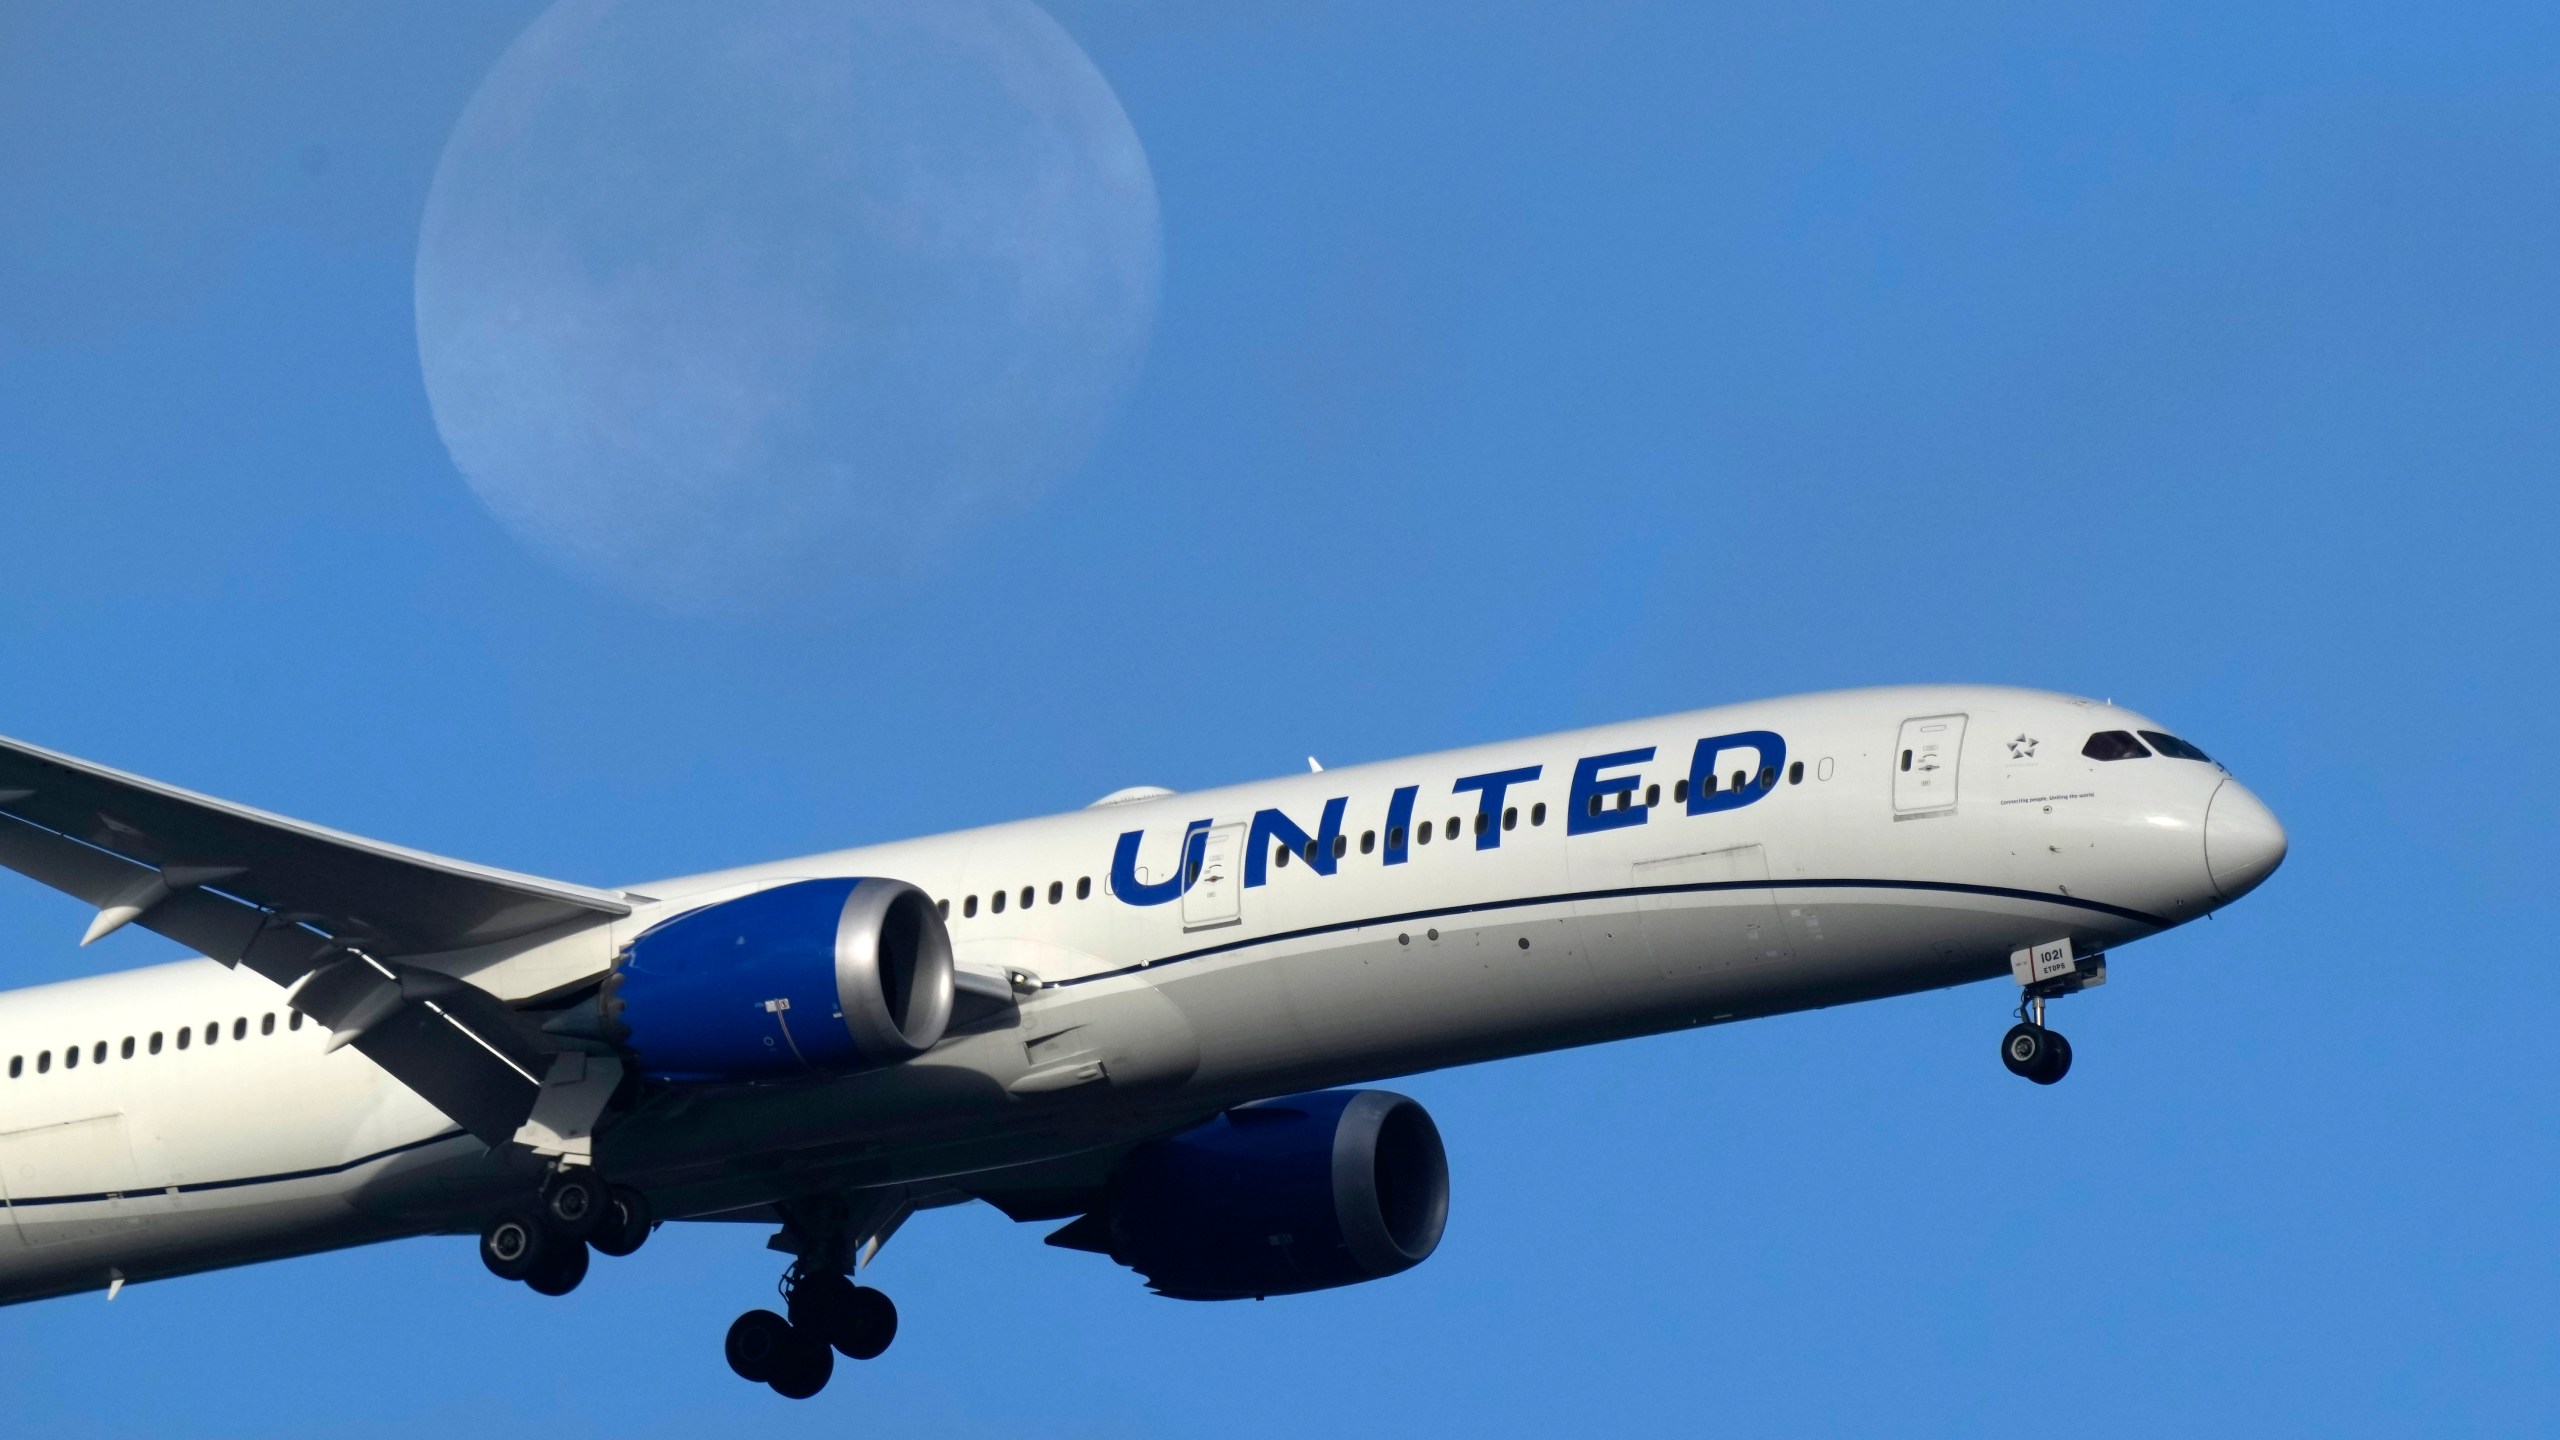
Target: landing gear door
point(1214, 894)
point(1924, 764)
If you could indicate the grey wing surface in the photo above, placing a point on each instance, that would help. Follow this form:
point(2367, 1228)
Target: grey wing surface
point(328, 913)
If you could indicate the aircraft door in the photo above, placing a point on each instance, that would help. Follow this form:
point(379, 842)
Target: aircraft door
point(1924, 763)
point(1710, 913)
point(88, 1158)
point(1213, 895)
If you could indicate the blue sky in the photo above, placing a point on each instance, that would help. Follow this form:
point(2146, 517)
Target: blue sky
point(1517, 367)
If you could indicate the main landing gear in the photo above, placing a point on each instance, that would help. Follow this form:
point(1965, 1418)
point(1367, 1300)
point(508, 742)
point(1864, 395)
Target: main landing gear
point(829, 1315)
point(824, 1313)
point(546, 1244)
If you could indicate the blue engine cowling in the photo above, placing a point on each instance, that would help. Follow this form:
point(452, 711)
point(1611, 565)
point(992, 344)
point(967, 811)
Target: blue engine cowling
point(810, 976)
point(1305, 1192)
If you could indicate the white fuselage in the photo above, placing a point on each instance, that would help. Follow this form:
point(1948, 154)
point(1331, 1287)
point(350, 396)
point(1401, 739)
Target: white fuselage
point(1166, 993)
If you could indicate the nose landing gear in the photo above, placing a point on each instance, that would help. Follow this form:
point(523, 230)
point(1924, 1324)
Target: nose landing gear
point(2031, 1050)
point(2045, 972)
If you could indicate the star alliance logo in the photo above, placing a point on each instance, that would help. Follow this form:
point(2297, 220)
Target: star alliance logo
point(2022, 748)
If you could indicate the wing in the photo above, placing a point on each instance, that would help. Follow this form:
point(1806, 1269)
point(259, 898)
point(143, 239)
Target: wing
point(326, 913)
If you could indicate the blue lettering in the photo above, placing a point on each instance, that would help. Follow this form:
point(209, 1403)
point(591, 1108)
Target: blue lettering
point(1489, 788)
point(1400, 822)
point(1316, 850)
point(1125, 885)
point(1770, 754)
point(1582, 815)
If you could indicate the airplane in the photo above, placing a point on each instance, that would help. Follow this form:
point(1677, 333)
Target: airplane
point(1143, 1019)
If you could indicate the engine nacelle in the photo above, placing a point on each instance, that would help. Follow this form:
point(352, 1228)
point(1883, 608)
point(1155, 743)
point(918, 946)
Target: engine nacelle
point(1305, 1192)
point(811, 976)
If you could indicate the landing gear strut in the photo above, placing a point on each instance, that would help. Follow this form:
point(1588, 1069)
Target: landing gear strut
point(545, 1244)
point(825, 1314)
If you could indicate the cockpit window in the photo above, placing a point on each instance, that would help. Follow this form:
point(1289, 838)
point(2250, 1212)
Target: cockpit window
point(2175, 748)
point(2114, 745)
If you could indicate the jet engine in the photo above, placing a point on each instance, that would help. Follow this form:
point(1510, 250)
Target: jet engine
point(811, 976)
point(1305, 1192)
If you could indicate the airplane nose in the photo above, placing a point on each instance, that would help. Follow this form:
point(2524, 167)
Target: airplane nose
point(2243, 843)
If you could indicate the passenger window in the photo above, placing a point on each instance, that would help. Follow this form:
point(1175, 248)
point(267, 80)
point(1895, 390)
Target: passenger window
point(1191, 872)
point(2112, 745)
point(969, 908)
point(2175, 748)
point(125, 1052)
point(44, 1061)
point(1422, 833)
point(1768, 777)
point(213, 1033)
point(1280, 856)
point(1538, 813)
point(1906, 759)
point(155, 1035)
point(1626, 799)
point(1679, 792)
point(183, 1033)
point(98, 1053)
point(1028, 894)
point(1368, 841)
point(294, 1022)
point(1084, 886)
point(1594, 806)
point(942, 908)
point(17, 1065)
point(1484, 822)
point(1451, 833)
point(1511, 817)
point(995, 903)
point(266, 1026)
point(1057, 891)
point(240, 1028)
point(1311, 852)
point(1707, 785)
point(1652, 796)
point(71, 1058)
point(1740, 779)
point(1395, 837)
point(1341, 846)
point(1795, 773)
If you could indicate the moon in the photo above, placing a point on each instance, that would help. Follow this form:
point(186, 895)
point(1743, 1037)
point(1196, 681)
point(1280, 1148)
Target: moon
point(757, 304)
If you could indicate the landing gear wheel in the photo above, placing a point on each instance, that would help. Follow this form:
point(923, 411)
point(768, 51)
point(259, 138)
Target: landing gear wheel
point(563, 1265)
point(758, 1341)
point(2036, 1053)
point(514, 1244)
point(858, 1321)
point(625, 1224)
point(804, 1370)
point(574, 1206)
point(867, 1325)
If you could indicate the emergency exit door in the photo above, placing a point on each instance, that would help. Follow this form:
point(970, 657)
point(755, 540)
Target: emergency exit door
point(1213, 891)
point(1924, 763)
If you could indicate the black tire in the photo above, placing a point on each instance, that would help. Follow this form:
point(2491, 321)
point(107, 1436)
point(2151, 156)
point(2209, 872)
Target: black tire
point(758, 1343)
point(513, 1245)
point(867, 1325)
point(2025, 1048)
point(804, 1371)
point(627, 1222)
point(574, 1206)
point(2057, 1060)
point(563, 1265)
